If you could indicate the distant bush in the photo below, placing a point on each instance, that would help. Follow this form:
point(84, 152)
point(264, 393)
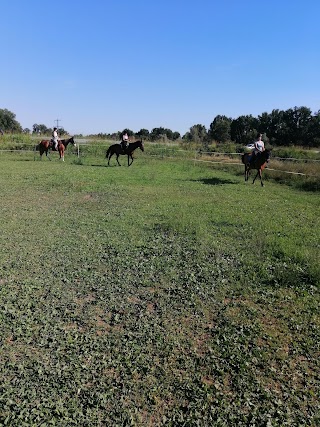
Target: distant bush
point(296, 153)
point(16, 142)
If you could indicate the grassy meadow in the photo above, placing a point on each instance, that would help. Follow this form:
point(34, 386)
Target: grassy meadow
point(168, 293)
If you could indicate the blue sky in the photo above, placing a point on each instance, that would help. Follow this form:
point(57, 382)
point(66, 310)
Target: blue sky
point(106, 65)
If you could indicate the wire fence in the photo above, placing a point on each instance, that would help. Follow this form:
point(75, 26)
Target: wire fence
point(280, 160)
point(83, 150)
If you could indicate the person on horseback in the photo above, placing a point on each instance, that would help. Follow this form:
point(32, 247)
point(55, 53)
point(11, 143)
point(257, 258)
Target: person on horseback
point(257, 149)
point(124, 142)
point(55, 138)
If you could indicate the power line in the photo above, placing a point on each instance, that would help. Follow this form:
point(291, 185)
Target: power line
point(57, 121)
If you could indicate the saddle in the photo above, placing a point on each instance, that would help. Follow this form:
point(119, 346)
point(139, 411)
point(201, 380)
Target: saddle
point(52, 145)
point(253, 158)
point(123, 147)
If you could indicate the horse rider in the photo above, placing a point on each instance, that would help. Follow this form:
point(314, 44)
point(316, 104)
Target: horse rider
point(258, 148)
point(124, 142)
point(55, 138)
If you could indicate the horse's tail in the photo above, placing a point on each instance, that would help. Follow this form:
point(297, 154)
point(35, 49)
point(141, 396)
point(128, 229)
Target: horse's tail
point(108, 152)
point(243, 158)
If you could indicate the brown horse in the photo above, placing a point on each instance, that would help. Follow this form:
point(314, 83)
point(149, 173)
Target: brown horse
point(117, 150)
point(259, 163)
point(45, 144)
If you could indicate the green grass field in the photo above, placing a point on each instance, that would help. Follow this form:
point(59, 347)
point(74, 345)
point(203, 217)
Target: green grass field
point(164, 294)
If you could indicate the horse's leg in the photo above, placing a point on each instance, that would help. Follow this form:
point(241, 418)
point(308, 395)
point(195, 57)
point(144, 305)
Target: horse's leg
point(246, 173)
point(260, 175)
point(130, 156)
point(109, 157)
point(256, 176)
point(261, 169)
point(118, 159)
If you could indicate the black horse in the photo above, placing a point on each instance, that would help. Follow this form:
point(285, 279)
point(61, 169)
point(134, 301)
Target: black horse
point(259, 162)
point(117, 150)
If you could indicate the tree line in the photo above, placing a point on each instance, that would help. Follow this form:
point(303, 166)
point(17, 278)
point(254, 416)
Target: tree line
point(296, 126)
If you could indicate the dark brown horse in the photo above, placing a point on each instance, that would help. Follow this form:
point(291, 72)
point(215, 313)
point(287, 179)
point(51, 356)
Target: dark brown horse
point(117, 150)
point(259, 162)
point(46, 144)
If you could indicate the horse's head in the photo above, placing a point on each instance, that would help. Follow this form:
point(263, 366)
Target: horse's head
point(73, 142)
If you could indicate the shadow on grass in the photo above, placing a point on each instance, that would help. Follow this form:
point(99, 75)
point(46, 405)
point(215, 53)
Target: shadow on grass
point(25, 160)
point(109, 166)
point(216, 181)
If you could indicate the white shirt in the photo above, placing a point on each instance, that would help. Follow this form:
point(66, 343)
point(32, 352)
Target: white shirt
point(258, 146)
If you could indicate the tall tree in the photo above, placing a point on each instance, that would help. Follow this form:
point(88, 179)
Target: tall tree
point(8, 122)
point(176, 135)
point(298, 124)
point(198, 133)
point(244, 129)
point(315, 129)
point(143, 133)
point(158, 133)
point(271, 124)
point(220, 129)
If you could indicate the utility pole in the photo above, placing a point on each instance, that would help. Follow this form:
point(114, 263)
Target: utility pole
point(57, 121)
